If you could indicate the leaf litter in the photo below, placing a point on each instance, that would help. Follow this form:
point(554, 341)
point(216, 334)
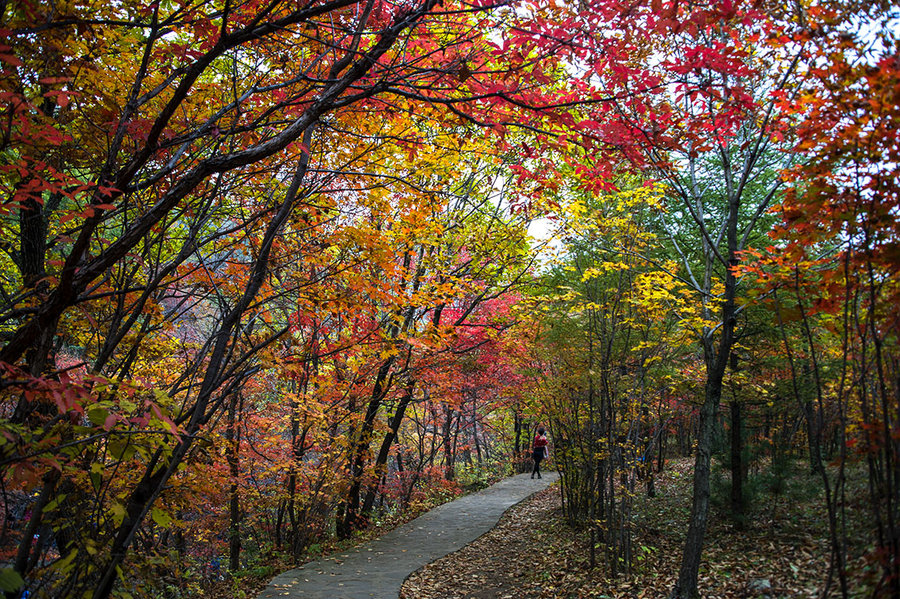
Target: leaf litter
point(533, 553)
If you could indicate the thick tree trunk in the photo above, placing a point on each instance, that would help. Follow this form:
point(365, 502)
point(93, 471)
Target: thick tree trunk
point(32, 242)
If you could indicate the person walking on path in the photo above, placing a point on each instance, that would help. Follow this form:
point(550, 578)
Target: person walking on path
point(539, 451)
point(377, 569)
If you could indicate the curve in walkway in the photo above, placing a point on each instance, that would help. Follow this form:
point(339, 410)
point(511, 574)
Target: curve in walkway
point(378, 568)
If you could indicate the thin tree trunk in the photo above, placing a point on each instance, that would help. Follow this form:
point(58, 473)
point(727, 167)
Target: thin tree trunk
point(475, 429)
point(385, 449)
point(686, 587)
point(717, 356)
point(448, 443)
point(232, 440)
point(737, 466)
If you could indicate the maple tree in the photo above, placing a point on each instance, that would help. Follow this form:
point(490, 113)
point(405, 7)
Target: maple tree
point(168, 164)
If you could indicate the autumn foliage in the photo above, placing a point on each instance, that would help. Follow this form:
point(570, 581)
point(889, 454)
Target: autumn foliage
point(267, 278)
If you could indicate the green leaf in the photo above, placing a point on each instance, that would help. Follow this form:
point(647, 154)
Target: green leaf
point(121, 449)
point(118, 512)
point(97, 416)
point(65, 564)
point(10, 580)
point(96, 474)
point(54, 503)
point(161, 518)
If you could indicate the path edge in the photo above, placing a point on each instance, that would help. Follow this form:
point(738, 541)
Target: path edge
point(485, 533)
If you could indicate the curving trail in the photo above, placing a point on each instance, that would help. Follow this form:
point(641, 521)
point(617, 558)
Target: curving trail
point(378, 568)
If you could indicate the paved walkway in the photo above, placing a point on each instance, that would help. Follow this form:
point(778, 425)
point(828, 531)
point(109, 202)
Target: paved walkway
point(378, 568)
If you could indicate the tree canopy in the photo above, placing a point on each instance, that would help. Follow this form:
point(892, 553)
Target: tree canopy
point(267, 277)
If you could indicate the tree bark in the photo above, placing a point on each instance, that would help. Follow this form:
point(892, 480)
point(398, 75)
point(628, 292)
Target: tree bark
point(349, 515)
point(232, 440)
point(737, 465)
point(717, 357)
point(449, 444)
point(384, 451)
point(686, 587)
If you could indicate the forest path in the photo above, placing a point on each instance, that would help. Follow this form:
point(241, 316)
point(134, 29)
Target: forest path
point(378, 568)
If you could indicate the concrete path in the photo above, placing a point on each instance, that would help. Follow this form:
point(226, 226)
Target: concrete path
point(378, 568)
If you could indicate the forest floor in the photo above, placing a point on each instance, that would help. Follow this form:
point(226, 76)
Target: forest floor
point(379, 567)
point(533, 553)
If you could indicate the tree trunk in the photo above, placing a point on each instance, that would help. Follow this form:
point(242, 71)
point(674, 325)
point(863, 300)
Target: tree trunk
point(686, 587)
point(349, 516)
point(717, 357)
point(517, 428)
point(232, 440)
point(32, 241)
point(384, 452)
point(449, 457)
point(159, 470)
point(661, 456)
point(813, 429)
point(737, 466)
point(475, 430)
